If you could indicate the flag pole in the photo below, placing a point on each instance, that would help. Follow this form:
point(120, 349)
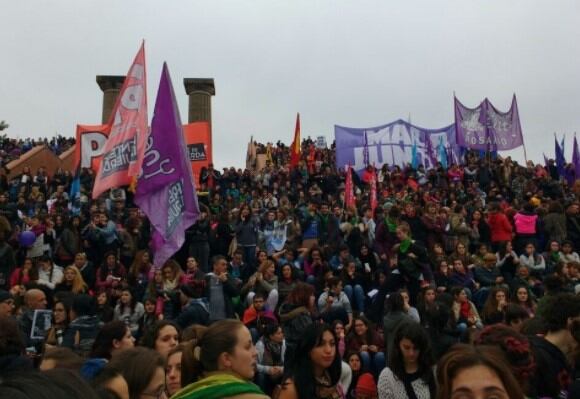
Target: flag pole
point(525, 152)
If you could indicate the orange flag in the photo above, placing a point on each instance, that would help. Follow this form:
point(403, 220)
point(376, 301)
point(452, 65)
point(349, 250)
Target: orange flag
point(295, 150)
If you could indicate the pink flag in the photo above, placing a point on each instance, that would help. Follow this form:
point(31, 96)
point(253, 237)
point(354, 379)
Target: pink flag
point(348, 189)
point(374, 200)
point(125, 147)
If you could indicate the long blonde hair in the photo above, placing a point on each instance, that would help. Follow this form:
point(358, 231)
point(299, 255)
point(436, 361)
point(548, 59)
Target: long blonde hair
point(78, 285)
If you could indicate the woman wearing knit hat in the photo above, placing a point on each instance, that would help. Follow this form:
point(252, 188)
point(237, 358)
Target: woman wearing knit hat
point(366, 387)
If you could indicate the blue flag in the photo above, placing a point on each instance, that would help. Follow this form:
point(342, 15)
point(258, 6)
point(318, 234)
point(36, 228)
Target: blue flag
point(414, 156)
point(442, 154)
point(74, 204)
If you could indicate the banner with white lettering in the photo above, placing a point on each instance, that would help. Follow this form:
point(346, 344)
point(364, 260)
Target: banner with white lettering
point(485, 128)
point(392, 144)
point(90, 142)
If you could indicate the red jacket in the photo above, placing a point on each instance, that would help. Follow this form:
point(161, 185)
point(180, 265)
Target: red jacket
point(501, 228)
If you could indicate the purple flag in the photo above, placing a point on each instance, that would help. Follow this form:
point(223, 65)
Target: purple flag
point(165, 189)
point(486, 128)
point(560, 159)
point(576, 158)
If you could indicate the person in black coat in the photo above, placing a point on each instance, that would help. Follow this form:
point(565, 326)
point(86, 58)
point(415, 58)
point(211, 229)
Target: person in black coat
point(197, 237)
point(550, 351)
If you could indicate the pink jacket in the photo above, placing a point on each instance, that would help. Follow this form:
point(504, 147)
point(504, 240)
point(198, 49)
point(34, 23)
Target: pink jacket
point(525, 223)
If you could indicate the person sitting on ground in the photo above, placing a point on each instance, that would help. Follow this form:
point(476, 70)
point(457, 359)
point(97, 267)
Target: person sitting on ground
point(257, 317)
point(333, 304)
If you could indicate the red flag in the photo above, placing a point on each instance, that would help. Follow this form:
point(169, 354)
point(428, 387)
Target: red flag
point(348, 189)
point(125, 147)
point(295, 150)
point(374, 200)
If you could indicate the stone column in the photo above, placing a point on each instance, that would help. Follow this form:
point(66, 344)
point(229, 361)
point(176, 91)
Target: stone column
point(111, 86)
point(199, 92)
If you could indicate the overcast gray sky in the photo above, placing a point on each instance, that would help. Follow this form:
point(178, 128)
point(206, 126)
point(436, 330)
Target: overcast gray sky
point(353, 63)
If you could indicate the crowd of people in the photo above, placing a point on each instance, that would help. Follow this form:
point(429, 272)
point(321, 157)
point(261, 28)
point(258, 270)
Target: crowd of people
point(13, 148)
point(462, 282)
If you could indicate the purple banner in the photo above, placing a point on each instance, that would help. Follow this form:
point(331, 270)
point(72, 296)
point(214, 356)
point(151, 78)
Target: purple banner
point(485, 128)
point(392, 144)
point(165, 190)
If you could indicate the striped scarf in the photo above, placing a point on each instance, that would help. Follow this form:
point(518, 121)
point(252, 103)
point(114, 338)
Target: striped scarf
point(217, 386)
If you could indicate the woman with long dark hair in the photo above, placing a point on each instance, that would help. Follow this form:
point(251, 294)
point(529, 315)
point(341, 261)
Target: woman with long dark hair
point(357, 368)
point(315, 371)
point(495, 306)
point(246, 230)
point(287, 281)
point(23, 275)
point(49, 274)
point(144, 372)
point(110, 274)
point(140, 272)
point(410, 372)
point(162, 336)
point(129, 310)
point(113, 337)
point(68, 243)
point(271, 349)
point(395, 314)
point(297, 313)
point(60, 320)
point(522, 296)
point(368, 343)
point(105, 311)
point(173, 370)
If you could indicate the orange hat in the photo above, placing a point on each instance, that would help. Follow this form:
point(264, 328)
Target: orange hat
point(366, 384)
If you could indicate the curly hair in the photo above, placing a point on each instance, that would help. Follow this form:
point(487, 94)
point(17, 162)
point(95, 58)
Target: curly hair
point(559, 309)
point(515, 347)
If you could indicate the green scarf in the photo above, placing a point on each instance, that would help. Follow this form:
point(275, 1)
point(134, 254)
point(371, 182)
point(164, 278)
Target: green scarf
point(392, 226)
point(217, 386)
point(404, 246)
point(323, 220)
